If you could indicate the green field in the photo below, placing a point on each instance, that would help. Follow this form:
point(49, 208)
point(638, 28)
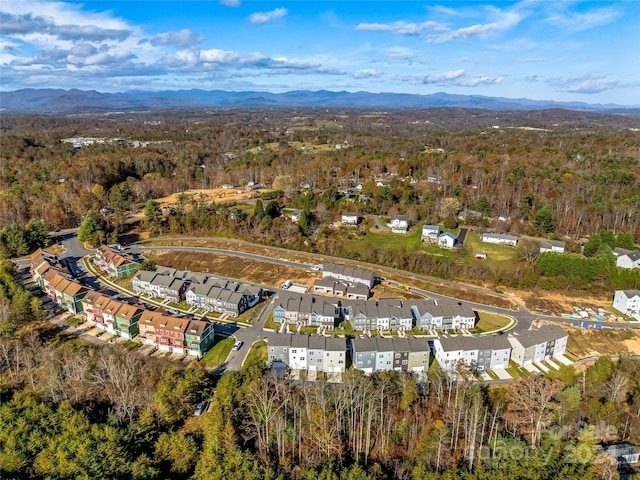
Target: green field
point(489, 322)
point(218, 353)
point(257, 353)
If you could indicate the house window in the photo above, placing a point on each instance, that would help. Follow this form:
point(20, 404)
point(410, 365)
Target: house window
point(293, 350)
point(404, 362)
point(397, 355)
point(340, 361)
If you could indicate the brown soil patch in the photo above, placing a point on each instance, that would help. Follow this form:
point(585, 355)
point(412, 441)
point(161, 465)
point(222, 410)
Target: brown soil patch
point(586, 342)
point(557, 303)
point(230, 266)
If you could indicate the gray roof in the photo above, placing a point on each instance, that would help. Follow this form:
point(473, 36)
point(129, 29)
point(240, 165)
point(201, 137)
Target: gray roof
point(536, 336)
point(631, 293)
point(144, 276)
point(299, 341)
point(335, 344)
point(500, 236)
point(418, 344)
point(365, 344)
point(275, 339)
point(475, 342)
point(552, 243)
point(316, 342)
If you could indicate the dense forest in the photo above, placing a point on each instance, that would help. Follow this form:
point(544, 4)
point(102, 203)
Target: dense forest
point(585, 168)
point(558, 174)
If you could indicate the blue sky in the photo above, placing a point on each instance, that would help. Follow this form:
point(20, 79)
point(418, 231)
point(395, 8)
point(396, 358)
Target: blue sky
point(538, 49)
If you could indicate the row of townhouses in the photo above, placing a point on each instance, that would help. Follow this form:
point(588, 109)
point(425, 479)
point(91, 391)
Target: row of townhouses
point(411, 354)
point(333, 286)
point(378, 354)
point(384, 314)
point(348, 275)
point(308, 352)
point(114, 263)
point(210, 293)
point(490, 352)
point(193, 337)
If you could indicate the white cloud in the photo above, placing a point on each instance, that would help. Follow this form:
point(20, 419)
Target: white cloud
point(259, 18)
point(230, 3)
point(587, 84)
point(575, 21)
point(399, 28)
point(458, 78)
point(366, 73)
point(504, 20)
point(184, 38)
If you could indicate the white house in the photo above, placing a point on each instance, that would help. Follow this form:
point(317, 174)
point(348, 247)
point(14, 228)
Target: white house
point(400, 224)
point(627, 301)
point(295, 216)
point(430, 233)
point(627, 258)
point(500, 238)
point(298, 352)
point(555, 246)
point(446, 240)
point(350, 219)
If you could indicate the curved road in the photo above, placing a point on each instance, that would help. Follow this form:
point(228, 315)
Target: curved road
point(523, 316)
point(75, 251)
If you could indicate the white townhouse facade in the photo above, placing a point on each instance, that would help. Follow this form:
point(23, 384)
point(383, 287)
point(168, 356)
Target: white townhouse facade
point(478, 352)
point(308, 352)
point(350, 219)
point(627, 258)
point(446, 240)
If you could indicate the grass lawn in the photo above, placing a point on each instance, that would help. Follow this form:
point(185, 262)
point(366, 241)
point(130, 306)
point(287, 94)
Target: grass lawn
point(131, 345)
point(258, 352)
point(218, 353)
point(516, 371)
point(495, 253)
point(270, 324)
point(489, 322)
point(75, 321)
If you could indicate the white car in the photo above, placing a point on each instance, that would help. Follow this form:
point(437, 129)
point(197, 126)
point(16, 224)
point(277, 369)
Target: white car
point(237, 345)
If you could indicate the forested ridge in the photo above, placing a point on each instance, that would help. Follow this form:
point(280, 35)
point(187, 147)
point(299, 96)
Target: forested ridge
point(585, 167)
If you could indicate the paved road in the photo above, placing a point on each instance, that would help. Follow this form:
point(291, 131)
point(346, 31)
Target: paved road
point(75, 251)
point(523, 316)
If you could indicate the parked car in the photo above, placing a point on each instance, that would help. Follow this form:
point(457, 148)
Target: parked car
point(286, 284)
point(199, 408)
point(237, 345)
point(174, 311)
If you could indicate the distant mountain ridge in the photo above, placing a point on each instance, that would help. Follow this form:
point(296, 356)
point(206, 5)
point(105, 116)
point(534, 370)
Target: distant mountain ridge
point(70, 101)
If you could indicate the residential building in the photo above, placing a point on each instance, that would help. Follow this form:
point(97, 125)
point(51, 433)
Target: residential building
point(72, 296)
point(88, 303)
point(147, 326)
point(295, 216)
point(335, 355)
point(447, 240)
point(478, 352)
point(350, 219)
point(170, 334)
point(624, 453)
point(126, 320)
point(349, 275)
point(627, 301)
point(305, 310)
point(555, 246)
point(198, 337)
point(430, 233)
point(141, 281)
point(363, 353)
point(308, 352)
point(536, 345)
point(500, 239)
point(435, 314)
point(627, 258)
point(109, 314)
point(384, 354)
point(400, 224)
point(419, 353)
point(114, 263)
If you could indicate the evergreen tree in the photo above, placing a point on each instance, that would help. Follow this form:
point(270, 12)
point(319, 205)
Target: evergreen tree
point(90, 229)
point(258, 211)
point(13, 241)
point(37, 235)
point(544, 220)
point(153, 216)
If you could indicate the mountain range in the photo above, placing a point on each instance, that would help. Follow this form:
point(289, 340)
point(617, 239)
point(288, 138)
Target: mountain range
point(75, 101)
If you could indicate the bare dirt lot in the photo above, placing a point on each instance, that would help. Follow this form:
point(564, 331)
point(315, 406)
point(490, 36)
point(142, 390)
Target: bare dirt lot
point(586, 342)
point(234, 267)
